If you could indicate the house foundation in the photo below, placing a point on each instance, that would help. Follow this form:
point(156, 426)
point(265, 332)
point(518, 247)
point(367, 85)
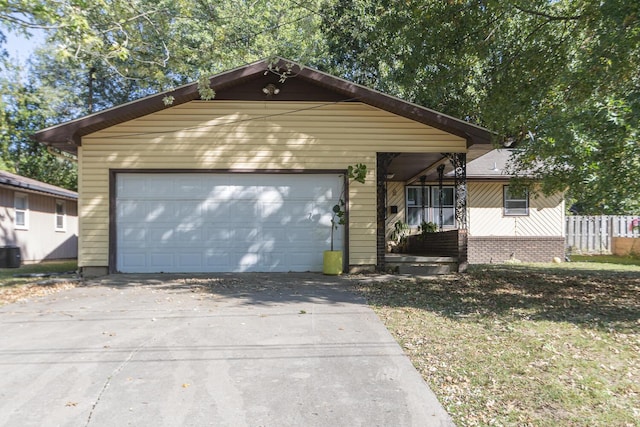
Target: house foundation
point(498, 249)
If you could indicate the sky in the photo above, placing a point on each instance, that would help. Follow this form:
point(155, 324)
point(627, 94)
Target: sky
point(19, 47)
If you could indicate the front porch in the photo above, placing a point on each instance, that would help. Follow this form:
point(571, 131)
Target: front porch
point(433, 253)
point(439, 252)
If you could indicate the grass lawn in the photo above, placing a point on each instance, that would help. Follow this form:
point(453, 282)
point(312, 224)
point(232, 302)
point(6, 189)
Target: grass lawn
point(607, 259)
point(523, 345)
point(14, 288)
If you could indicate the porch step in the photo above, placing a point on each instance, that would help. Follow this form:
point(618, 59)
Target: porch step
point(421, 265)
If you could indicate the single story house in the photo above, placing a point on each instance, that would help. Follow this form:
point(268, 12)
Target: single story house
point(502, 225)
point(246, 181)
point(39, 218)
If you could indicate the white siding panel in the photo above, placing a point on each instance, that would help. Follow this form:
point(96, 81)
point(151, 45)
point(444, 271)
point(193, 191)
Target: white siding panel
point(486, 215)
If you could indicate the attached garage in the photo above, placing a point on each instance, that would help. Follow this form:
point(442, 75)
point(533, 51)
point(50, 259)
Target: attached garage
point(224, 222)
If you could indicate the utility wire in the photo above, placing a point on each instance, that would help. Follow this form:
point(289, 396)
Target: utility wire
point(233, 122)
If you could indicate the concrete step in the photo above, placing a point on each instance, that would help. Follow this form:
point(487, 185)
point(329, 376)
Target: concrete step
point(421, 265)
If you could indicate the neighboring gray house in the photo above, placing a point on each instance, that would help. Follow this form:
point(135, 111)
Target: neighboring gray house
point(39, 218)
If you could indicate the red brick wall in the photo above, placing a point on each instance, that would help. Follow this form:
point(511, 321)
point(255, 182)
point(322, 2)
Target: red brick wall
point(496, 249)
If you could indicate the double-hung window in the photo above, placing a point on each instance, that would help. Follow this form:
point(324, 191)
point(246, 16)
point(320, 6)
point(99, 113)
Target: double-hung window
point(423, 205)
point(60, 215)
point(516, 203)
point(448, 206)
point(417, 205)
point(21, 207)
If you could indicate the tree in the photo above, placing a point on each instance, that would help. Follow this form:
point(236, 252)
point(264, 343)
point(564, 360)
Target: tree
point(106, 52)
point(558, 79)
point(162, 43)
point(24, 110)
point(561, 79)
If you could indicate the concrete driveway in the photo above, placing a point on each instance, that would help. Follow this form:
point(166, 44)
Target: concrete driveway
point(228, 350)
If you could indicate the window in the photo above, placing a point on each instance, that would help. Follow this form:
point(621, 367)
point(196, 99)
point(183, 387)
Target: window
point(21, 206)
point(429, 211)
point(417, 211)
point(60, 215)
point(516, 203)
point(448, 206)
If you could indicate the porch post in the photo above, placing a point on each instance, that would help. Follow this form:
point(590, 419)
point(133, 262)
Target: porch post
point(459, 162)
point(383, 161)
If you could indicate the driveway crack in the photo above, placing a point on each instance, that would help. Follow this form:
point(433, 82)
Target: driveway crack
point(114, 373)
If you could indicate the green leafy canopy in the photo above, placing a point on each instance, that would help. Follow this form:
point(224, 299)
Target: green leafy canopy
point(560, 78)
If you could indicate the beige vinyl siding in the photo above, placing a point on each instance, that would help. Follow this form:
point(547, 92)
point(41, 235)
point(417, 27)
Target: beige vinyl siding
point(40, 240)
point(486, 214)
point(258, 136)
point(395, 197)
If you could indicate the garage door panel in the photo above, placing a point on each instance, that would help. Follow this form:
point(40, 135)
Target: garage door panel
point(132, 259)
point(191, 260)
point(217, 261)
point(215, 211)
point(160, 235)
point(131, 236)
point(224, 222)
point(161, 261)
point(189, 185)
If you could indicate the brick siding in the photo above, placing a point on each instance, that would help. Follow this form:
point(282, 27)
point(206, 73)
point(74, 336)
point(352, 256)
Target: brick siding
point(496, 249)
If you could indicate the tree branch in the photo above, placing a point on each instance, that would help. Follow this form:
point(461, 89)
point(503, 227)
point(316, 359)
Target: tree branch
point(27, 24)
point(547, 15)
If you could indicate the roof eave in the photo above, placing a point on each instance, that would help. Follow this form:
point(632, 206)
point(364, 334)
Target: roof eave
point(68, 136)
point(35, 189)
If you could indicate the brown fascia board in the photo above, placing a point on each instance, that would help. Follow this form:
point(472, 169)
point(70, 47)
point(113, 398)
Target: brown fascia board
point(67, 136)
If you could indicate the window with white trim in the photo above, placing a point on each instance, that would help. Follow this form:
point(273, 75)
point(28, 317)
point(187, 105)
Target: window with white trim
point(423, 204)
point(21, 207)
point(417, 203)
point(516, 203)
point(61, 215)
point(448, 206)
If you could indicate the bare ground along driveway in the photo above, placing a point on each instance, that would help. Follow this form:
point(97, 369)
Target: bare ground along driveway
point(229, 350)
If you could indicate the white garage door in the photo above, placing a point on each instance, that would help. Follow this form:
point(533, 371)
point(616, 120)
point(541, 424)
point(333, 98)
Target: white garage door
point(197, 222)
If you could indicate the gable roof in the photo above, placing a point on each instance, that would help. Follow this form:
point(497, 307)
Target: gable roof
point(18, 182)
point(232, 85)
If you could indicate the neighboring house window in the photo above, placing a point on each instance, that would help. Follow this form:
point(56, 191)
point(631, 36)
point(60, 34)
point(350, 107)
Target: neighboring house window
point(429, 211)
point(21, 205)
point(60, 215)
point(516, 203)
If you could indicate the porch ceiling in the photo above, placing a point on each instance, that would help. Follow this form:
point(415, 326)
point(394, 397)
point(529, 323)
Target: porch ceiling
point(409, 167)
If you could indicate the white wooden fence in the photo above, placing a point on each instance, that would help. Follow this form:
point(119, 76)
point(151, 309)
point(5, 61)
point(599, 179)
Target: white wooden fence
point(592, 234)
